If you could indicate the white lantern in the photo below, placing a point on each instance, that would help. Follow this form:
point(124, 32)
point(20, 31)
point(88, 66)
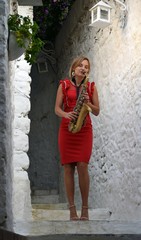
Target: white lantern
point(100, 15)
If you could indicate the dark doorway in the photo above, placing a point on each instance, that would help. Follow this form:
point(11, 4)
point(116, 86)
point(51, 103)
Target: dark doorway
point(43, 146)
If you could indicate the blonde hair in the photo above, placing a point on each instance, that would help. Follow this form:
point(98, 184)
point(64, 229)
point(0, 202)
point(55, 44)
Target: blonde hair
point(76, 62)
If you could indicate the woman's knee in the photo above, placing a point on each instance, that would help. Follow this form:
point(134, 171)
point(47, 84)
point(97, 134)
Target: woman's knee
point(69, 169)
point(82, 167)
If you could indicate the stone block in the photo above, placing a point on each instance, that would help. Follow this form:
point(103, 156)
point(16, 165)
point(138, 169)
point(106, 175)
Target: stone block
point(22, 88)
point(22, 123)
point(22, 75)
point(22, 105)
point(21, 209)
point(20, 141)
point(20, 160)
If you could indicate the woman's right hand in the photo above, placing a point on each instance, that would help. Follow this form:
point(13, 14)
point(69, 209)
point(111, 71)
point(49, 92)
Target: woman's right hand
point(71, 115)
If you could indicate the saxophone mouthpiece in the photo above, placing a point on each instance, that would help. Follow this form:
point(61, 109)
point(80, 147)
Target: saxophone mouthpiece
point(84, 73)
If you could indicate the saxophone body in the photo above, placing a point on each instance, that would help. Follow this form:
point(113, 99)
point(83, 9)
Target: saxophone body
point(81, 108)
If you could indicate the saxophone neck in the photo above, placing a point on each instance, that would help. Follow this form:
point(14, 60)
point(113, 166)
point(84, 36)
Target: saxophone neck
point(86, 79)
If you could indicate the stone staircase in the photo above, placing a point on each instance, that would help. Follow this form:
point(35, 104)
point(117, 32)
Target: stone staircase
point(46, 207)
point(51, 222)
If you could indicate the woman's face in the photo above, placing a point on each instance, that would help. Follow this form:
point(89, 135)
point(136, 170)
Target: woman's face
point(82, 69)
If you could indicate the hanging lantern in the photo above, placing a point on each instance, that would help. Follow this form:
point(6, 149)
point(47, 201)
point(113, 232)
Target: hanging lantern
point(100, 15)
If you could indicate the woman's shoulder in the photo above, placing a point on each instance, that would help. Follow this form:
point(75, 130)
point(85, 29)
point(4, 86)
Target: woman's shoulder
point(65, 80)
point(91, 82)
point(91, 86)
point(65, 83)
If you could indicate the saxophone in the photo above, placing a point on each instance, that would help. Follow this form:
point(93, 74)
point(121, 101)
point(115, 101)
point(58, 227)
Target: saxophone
point(81, 108)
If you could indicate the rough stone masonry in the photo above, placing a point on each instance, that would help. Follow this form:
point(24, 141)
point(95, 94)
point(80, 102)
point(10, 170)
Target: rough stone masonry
point(5, 114)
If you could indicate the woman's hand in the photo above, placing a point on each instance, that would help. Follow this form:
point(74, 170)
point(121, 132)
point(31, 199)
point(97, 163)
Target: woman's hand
point(86, 98)
point(70, 115)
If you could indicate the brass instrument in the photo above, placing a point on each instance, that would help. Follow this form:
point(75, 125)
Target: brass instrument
point(81, 108)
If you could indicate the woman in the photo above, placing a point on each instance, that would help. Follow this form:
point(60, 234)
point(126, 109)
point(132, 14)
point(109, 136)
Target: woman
point(75, 148)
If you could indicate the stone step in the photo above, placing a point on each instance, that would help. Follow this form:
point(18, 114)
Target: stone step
point(51, 206)
point(63, 215)
point(45, 199)
point(45, 192)
point(78, 230)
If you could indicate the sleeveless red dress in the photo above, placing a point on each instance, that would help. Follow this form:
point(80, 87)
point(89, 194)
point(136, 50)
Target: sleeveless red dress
point(74, 147)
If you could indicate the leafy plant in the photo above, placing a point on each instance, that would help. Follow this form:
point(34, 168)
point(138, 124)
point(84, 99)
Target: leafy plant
point(26, 35)
point(51, 16)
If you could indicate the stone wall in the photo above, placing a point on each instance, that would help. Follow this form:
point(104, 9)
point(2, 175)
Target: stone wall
point(20, 80)
point(21, 125)
point(5, 118)
point(114, 53)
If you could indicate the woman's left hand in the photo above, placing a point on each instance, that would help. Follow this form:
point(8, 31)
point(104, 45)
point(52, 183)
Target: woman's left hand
point(86, 98)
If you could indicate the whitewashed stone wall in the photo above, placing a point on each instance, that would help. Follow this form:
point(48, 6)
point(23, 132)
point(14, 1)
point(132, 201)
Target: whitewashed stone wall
point(21, 125)
point(20, 69)
point(115, 55)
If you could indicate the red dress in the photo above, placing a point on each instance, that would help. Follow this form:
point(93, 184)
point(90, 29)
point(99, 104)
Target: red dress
point(74, 147)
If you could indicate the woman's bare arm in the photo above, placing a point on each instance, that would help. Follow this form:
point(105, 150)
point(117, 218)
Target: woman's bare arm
point(59, 106)
point(95, 103)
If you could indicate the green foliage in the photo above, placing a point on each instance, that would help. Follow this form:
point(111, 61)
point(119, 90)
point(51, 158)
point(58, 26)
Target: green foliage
point(51, 16)
point(26, 35)
point(48, 20)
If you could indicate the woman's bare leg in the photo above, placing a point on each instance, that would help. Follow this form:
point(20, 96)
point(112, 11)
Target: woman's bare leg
point(69, 170)
point(84, 183)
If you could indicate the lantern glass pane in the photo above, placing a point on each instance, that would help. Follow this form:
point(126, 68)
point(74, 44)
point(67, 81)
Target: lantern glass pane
point(103, 14)
point(42, 67)
point(94, 14)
